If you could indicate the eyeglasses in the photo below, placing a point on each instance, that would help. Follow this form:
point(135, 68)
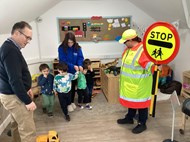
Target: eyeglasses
point(27, 37)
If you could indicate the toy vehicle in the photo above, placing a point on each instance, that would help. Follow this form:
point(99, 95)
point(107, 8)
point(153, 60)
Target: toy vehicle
point(52, 136)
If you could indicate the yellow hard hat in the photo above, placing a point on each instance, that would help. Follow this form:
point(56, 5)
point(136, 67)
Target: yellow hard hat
point(127, 35)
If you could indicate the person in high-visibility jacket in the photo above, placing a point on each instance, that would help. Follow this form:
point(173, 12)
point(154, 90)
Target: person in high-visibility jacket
point(135, 81)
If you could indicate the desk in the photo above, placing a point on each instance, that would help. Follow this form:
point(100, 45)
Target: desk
point(110, 87)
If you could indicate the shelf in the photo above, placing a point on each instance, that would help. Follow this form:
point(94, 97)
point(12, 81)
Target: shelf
point(186, 81)
point(97, 76)
point(95, 64)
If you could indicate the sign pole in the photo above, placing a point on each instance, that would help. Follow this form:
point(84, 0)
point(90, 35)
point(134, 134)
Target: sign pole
point(161, 44)
point(154, 91)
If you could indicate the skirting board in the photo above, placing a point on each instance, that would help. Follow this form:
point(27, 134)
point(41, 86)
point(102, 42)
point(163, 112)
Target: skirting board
point(5, 123)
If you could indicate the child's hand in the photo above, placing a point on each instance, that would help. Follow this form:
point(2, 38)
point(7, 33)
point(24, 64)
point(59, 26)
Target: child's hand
point(80, 68)
point(55, 93)
point(45, 75)
point(76, 68)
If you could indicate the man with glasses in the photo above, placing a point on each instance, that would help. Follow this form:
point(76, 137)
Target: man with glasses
point(15, 78)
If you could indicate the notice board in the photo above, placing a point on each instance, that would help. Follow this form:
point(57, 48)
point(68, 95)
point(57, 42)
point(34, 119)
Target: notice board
point(95, 28)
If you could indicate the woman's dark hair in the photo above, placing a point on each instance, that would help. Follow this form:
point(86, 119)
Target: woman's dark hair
point(20, 26)
point(43, 67)
point(138, 39)
point(63, 67)
point(69, 36)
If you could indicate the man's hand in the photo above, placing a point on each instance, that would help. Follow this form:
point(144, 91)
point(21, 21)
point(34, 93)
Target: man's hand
point(31, 94)
point(31, 106)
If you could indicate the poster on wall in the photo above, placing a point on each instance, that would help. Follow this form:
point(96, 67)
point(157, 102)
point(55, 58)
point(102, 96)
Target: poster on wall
point(95, 28)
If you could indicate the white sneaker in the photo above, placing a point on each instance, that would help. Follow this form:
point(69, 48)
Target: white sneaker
point(73, 105)
point(80, 106)
point(88, 107)
point(70, 108)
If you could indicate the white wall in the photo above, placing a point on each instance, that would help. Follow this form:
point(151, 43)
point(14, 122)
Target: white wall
point(48, 27)
point(181, 62)
point(31, 51)
point(3, 37)
point(45, 49)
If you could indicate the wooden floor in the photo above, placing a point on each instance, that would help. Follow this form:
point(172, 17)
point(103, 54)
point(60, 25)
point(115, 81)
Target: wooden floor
point(99, 124)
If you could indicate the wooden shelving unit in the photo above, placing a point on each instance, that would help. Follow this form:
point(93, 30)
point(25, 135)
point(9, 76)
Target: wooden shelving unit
point(186, 84)
point(55, 62)
point(95, 64)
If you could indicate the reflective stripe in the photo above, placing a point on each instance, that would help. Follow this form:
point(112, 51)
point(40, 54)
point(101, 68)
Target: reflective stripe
point(132, 67)
point(148, 65)
point(135, 105)
point(136, 55)
point(134, 100)
point(135, 75)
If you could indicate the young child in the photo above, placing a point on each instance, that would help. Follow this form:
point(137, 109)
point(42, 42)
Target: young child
point(45, 81)
point(62, 87)
point(89, 77)
point(82, 92)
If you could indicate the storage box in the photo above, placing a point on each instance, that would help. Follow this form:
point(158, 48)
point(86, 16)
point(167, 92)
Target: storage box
point(110, 87)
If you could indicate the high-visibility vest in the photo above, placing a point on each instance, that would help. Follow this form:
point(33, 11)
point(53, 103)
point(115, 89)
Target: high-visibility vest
point(135, 79)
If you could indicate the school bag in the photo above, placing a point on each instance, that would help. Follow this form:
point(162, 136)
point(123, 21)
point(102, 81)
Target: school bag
point(169, 88)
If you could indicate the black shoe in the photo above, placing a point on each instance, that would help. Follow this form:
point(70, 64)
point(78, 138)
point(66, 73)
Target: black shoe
point(67, 117)
point(50, 114)
point(139, 128)
point(44, 110)
point(125, 121)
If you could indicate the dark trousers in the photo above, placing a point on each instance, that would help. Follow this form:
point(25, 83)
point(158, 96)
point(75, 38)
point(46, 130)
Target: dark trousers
point(64, 100)
point(143, 114)
point(82, 96)
point(90, 88)
point(73, 86)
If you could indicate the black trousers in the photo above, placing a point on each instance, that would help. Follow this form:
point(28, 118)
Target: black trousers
point(64, 100)
point(73, 86)
point(83, 96)
point(143, 114)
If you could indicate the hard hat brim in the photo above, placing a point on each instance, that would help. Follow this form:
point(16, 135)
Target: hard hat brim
point(122, 40)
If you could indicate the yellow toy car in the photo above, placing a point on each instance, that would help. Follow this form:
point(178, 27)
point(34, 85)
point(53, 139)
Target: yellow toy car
point(51, 137)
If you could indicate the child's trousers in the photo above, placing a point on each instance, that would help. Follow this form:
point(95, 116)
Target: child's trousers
point(64, 100)
point(48, 102)
point(83, 96)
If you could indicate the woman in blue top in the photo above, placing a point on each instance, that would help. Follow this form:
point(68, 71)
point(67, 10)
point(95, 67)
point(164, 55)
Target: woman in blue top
point(71, 53)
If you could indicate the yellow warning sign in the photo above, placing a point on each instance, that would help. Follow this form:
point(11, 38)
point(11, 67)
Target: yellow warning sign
point(161, 42)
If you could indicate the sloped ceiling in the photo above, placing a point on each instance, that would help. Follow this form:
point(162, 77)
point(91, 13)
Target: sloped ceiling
point(164, 10)
point(17, 10)
point(29, 10)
